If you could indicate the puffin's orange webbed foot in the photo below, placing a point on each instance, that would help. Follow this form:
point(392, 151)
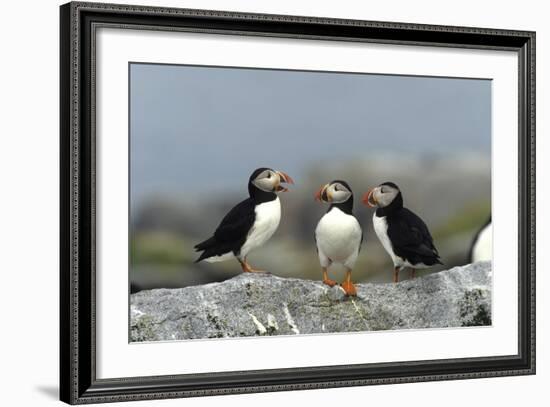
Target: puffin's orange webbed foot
point(326, 280)
point(248, 269)
point(349, 288)
point(329, 282)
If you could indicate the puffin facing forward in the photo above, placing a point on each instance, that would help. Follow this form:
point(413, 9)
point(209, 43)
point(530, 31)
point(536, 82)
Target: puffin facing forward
point(338, 234)
point(250, 223)
point(403, 234)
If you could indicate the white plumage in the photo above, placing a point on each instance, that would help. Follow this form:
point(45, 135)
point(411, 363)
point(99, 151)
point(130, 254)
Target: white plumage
point(381, 228)
point(268, 216)
point(338, 237)
point(483, 246)
point(223, 257)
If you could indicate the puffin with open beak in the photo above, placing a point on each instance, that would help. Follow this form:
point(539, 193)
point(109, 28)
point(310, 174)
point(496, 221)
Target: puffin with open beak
point(338, 234)
point(250, 223)
point(403, 234)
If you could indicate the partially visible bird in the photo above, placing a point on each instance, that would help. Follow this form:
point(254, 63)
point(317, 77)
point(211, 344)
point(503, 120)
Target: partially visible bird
point(338, 234)
point(482, 245)
point(403, 234)
point(250, 223)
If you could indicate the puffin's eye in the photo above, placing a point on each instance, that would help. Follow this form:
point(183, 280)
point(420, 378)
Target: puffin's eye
point(335, 187)
point(268, 175)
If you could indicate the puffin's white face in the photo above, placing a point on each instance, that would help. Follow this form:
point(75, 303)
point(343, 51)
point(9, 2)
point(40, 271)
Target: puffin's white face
point(334, 192)
point(270, 181)
point(381, 196)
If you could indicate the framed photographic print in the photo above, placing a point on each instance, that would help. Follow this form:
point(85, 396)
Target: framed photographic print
point(255, 203)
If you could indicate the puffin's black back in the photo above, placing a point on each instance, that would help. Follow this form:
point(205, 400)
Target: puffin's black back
point(409, 235)
point(231, 233)
point(411, 239)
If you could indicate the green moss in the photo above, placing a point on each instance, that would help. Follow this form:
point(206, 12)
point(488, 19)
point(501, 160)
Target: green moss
point(159, 248)
point(468, 219)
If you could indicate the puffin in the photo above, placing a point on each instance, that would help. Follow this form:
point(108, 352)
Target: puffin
point(338, 235)
point(402, 233)
point(482, 244)
point(250, 223)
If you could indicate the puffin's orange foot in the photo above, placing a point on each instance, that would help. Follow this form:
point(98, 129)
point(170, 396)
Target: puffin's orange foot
point(396, 275)
point(247, 268)
point(349, 288)
point(329, 282)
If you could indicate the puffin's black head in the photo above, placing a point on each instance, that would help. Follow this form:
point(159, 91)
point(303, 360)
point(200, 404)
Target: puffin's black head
point(268, 180)
point(383, 196)
point(334, 192)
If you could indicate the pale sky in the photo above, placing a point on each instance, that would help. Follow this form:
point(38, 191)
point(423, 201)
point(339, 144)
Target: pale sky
point(198, 128)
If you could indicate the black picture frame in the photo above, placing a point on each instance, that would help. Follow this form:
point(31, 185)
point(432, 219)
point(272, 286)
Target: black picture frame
point(78, 382)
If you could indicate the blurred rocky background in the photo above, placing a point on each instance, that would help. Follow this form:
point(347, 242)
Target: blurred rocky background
point(196, 134)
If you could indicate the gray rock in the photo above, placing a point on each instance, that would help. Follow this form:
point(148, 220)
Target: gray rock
point(264, 304)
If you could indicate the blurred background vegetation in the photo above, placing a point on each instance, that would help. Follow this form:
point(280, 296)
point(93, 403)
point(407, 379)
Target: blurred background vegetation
point(452, 195)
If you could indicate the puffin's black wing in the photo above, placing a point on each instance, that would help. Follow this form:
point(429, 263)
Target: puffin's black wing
point(411, 238)
point(231, 233)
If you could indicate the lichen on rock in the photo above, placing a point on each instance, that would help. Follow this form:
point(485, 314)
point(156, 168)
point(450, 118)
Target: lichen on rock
point(475, 308)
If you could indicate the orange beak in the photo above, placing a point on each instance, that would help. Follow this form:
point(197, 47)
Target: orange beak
point(319, 194)
point(369, 199)
point(284, 177)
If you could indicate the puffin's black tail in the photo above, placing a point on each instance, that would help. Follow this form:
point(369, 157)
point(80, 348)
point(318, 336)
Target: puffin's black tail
point(207, 244)
point(203, 256)
point(435, 259)
point(213, 247)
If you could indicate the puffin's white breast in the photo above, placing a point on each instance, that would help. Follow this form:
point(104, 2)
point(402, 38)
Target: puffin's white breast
point(338, 235)
point(268, 216)
point(483, 247)
point(380, 225)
